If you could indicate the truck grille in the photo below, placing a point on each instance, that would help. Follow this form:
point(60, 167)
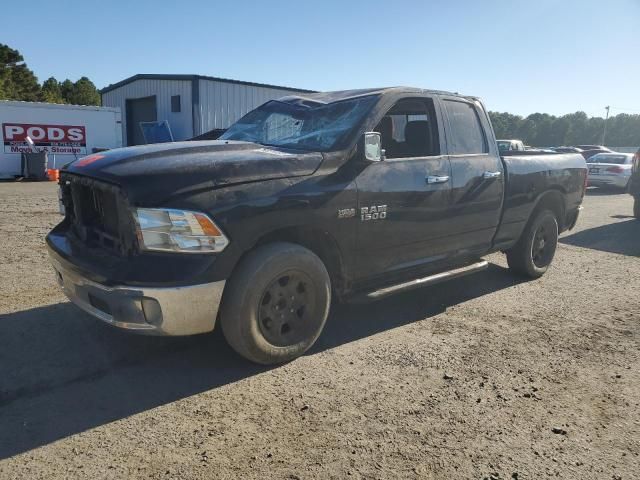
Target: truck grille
point(97, 214)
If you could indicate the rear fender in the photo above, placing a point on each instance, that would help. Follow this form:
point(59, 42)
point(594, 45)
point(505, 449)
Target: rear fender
point(553, 199)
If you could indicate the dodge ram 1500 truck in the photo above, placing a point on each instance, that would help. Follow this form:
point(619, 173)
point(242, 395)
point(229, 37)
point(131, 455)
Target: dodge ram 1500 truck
point(351, 194)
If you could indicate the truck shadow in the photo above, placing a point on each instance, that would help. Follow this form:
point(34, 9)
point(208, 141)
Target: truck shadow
point(62, 372)
point(619, 237)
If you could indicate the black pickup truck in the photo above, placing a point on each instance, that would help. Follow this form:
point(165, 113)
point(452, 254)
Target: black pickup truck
point(350, 195)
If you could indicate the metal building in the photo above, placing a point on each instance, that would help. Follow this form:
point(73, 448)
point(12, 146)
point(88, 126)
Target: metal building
point(192, 104)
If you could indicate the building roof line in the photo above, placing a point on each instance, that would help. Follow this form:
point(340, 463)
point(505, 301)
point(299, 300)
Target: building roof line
point(24, 103)
point(158, 76)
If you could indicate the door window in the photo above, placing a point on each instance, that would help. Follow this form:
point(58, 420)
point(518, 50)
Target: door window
point(466, 136)
point(409, 129)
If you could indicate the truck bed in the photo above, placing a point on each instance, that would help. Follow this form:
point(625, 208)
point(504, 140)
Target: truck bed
point(527, 174)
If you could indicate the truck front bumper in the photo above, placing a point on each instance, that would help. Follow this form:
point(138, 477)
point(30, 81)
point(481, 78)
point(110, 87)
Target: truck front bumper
point(184, 310)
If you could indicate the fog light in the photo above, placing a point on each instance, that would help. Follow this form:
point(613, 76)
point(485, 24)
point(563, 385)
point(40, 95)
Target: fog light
point(152, 311)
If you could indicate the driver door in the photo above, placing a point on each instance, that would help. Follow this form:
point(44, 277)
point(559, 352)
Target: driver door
point(404, 200)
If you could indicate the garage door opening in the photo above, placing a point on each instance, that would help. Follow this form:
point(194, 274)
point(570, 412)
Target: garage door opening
point(139, 110)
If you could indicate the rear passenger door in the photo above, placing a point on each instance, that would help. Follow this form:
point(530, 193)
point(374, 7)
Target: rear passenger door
point(477, 175)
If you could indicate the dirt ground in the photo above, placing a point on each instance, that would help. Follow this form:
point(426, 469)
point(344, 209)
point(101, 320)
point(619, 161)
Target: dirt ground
point(482, 377)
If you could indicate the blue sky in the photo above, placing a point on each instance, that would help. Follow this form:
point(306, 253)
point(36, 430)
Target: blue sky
point(554, 56)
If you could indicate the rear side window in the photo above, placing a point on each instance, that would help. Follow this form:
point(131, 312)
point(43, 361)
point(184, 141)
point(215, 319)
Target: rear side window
point(466, 136)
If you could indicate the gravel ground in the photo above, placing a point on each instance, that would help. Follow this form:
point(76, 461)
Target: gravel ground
point(483, 377)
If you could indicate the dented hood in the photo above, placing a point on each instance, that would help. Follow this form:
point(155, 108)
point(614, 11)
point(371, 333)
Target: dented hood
point(159, 171)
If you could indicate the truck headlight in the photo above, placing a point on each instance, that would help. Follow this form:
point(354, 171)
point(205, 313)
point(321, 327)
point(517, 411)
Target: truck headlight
point(172, 230)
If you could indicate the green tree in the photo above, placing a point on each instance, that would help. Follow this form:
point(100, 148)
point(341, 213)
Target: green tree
point(66, 90)
point(543, 130)
point(17, 82)
point(505, 124)
point(9, 59)
point(576, 135)
point(594, 129)
point(527, 130)
point(51, 91)
point(84, 93)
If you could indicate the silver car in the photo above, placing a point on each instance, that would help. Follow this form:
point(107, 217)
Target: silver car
point(610, 169)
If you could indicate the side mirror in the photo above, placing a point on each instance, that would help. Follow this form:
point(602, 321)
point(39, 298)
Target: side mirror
point(372, 146)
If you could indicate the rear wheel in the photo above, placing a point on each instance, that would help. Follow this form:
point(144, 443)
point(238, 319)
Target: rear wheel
point(276, 303)
point(636, 207)
point(534, 252)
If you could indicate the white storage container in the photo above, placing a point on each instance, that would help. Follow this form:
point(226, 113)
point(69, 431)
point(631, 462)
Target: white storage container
point(66, 132)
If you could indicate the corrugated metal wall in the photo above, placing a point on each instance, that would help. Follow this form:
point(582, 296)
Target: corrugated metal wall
point(223, 103)
point(181, 122)
point(220, 103)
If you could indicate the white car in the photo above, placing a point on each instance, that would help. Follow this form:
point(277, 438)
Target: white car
point(610, 169)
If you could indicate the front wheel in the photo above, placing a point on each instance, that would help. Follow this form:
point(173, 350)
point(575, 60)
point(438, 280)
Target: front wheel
point(533, 253)
point(276, 303)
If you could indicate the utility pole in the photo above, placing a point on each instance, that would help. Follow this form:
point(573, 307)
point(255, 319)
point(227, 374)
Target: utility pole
point(604, 133)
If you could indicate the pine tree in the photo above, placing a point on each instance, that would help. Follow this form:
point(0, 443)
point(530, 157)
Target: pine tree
point(17, 82)
point(85, 93)
point(51, 91)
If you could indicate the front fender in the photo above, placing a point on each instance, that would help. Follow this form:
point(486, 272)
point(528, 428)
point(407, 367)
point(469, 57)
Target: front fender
point(248, 213)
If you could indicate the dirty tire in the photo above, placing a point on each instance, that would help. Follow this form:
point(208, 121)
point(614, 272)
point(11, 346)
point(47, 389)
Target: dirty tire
point(636, 207)
point(535, 249)
point(276, 303)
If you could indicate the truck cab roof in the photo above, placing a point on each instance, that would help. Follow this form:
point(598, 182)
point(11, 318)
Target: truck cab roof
point(340, 95)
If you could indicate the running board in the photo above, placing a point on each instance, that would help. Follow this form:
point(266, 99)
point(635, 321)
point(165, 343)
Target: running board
point(430, 280)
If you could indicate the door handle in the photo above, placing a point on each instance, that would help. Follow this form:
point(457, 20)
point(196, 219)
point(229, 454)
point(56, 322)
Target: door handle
point(488, 175)
point(437, 179)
